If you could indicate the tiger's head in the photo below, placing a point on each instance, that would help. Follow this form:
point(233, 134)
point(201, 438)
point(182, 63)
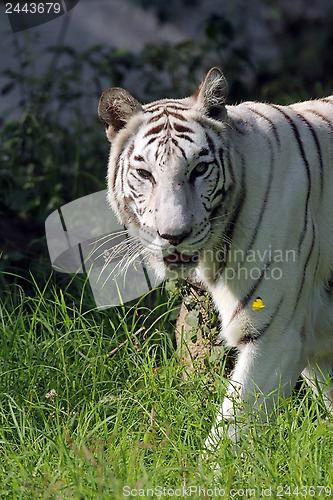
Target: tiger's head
point(166, 174)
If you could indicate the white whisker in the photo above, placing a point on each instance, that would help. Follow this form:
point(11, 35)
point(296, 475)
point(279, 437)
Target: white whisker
point(116, 233)
point(108, 238)
point(134, 251)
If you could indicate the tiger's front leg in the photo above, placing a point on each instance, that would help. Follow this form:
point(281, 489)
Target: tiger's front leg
point(266, 369)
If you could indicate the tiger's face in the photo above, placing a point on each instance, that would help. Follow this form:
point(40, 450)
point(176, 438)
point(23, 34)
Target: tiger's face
point(166, 178)
point(171, 188)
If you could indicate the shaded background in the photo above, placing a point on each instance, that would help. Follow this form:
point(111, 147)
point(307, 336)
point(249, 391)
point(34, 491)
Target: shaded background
point(52, 145)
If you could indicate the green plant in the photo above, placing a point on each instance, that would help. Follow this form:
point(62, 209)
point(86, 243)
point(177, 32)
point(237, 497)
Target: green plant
point(92, 405)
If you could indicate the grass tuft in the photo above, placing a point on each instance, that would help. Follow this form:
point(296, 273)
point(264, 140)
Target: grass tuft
point(94, 405)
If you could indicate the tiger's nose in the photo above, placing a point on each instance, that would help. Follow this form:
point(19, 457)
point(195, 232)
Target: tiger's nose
point(175, 239)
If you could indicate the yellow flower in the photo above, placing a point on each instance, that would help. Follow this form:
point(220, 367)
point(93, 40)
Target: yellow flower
point(258, 304)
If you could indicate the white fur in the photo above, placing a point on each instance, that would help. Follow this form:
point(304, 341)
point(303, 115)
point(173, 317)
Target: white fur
point(272, 169)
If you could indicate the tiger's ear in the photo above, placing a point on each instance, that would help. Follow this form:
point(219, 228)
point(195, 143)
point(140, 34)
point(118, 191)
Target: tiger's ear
point(212, 94)
point(116, 106)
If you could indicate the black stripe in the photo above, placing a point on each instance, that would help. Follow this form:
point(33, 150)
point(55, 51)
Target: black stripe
point(210, 143)
point(316, 140)
point(151, 140)
point(327, 100)
point(133, 191)
point(255, 335)
point(220, 192)
point(206, 204)
point(182, 128)
point(203, 152)
point(230, 169)
point(306, 266)
point(220, 157)
point(175, 142)
point(326, 120)
point(244, 302)
point(154, 130)
point(203, 238)
point(271, 122)
point(216, 184)
point(240, 126)
point(235, 214)
point(119, 170)
point(303, 278)
point(307, 169)
point(155, 118)
point(175, 115)
point(185, 137)
point(321, 116)
point(116, 170)
point(264, 203)
point(162, 106)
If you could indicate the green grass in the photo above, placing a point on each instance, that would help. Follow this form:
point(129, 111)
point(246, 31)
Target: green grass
point(123, 420)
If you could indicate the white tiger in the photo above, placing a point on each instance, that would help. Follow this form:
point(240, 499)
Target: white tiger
point(241, 197)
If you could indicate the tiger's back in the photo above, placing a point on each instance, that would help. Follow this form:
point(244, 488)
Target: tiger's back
point(297, 143)
point(241, 198)
point(282, 234)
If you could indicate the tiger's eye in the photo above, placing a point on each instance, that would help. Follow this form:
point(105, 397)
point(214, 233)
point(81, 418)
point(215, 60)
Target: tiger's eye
point(145, 174)
point(199, 170)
